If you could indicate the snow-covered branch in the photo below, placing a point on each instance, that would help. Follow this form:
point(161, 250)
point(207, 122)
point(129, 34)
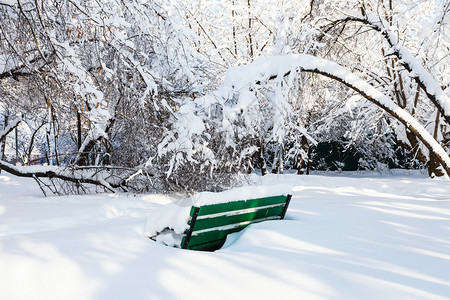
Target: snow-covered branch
point(75, 176)
point(10, 127)
point(416, 69)
point(54, 172)
point(280, 66)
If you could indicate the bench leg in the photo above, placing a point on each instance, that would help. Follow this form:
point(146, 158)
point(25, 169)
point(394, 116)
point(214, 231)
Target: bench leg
point(288, 200)
point(189, 233)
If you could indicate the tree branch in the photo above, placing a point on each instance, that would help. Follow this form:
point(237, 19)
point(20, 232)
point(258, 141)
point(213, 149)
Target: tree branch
point(425, 80)
point(274, 69)
point(10, 128)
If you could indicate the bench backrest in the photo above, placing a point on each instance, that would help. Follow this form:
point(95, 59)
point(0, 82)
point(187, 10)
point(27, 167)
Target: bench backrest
point(210, 224)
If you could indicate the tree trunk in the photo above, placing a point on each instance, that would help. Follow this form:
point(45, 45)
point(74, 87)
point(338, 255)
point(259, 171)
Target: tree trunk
point(431, 163)
point(250, 40)
point(234, 29)
point(261, 158)
point(3, 142)
point(30, 148)
point(308, 164)
point(434, 167)
point(108, 151)
point(48, 153)
point(55, 136)
point(78, 130)
point(17, 145)
point(281, 160)
point(302, 163)
point(275, 163)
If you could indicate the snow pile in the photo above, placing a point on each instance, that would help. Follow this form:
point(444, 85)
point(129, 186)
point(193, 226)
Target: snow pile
point(175, 216)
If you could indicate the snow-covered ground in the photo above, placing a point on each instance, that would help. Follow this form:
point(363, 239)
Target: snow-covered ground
point(347, 236)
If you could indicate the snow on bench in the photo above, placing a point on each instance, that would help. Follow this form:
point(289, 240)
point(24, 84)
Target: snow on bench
point(203, 221)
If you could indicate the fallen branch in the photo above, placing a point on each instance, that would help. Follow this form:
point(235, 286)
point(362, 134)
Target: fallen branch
point(76, 176)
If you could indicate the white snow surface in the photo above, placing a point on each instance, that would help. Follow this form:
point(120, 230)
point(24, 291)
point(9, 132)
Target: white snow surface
point(345, 236)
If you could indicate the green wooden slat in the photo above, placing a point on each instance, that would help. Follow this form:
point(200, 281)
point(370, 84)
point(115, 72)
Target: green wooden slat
point(201, 224)
point(214, 245)
point(237, 205)
point(214, 235)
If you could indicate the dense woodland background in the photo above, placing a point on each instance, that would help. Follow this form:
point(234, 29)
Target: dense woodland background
point(183, 95)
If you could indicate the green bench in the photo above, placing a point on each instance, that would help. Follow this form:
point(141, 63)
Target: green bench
point(209, 225)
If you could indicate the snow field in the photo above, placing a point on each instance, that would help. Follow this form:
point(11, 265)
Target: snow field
point(350, 236)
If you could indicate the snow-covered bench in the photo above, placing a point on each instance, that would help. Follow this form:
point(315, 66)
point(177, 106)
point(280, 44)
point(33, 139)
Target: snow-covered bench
point(207, 225)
